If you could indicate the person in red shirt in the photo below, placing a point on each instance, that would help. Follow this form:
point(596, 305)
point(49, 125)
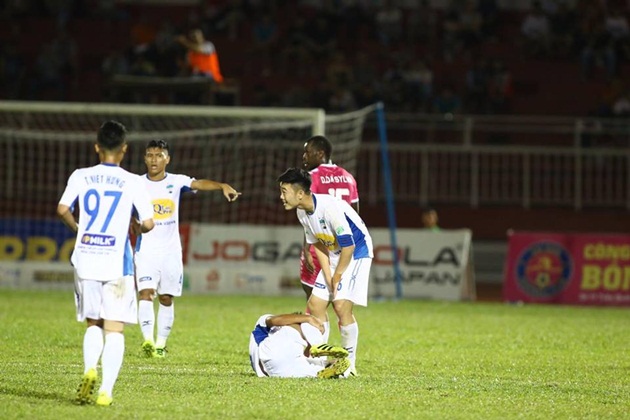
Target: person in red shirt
point(326, 178)
point(201, 58)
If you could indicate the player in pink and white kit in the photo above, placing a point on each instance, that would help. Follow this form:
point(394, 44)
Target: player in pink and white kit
point(326, 178)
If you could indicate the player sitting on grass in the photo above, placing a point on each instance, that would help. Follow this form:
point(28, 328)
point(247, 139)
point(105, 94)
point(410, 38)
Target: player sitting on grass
point(292, 346)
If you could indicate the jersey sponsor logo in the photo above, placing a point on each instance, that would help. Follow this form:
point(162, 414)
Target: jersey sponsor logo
point(163, 208)
point(145, 278)
point(335, 179)
point(322, 223)
point(329, 241)
point(339, 230)
point(98, 240)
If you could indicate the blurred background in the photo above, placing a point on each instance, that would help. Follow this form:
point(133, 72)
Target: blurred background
point(501, 114)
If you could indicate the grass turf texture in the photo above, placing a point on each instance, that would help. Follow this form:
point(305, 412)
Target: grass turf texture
point(417, 359)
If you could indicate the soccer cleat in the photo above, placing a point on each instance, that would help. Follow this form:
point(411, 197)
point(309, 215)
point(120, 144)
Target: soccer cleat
point(104, 399)
point(85, 392)
point(335, 370)
point(160, 352)
point(328, 350)
point(148, 348)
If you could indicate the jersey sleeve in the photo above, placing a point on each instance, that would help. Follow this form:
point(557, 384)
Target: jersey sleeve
point(185, 183)
point(142, 202)
point(340, 226)
point(71, 192)
point(354, 191)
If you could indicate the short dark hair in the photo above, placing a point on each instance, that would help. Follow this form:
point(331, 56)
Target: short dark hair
point(321, 143)
point(111, 135)
point(157, 144)
point(296, 176)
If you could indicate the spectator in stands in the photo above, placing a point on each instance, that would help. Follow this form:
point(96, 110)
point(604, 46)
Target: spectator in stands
point(450, 34)
point(389, 23)
point(265, 36)
point(338, 71)
point(430, 219)
point(617, 27)
point(447, 102)
point(48, 81)
point(422, 21)
point(477, 80)
point(500, 88)
point(202, 59)
point(418, 78)
point(321, 38)
point(115, 63)
point(341, 100)
point(470, 24)
point(598, 47)
point(536, 31)
point(563, 27)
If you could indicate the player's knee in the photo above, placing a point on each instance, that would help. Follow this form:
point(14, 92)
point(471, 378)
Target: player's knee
point(113, 326)
point(166, 300)
point(147, 294)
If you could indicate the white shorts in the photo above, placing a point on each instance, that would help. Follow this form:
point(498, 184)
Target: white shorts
point(110, 300)
point(282, 355)
point(162, 273)
point(353, 285)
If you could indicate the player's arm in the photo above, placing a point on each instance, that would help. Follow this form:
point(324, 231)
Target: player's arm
point(344, 260)
point(67, 217)
point(324, 261)
point(308, 258)
point(290, 319)
point(187, 43)
point(208, 185)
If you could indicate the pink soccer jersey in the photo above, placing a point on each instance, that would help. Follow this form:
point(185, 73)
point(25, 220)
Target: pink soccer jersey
point(334, 180)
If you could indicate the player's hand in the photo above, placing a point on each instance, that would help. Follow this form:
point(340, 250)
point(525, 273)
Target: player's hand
point(229, 193)
point(316, 322)
point(136, 227)
point(334, 282)
point(308, 261)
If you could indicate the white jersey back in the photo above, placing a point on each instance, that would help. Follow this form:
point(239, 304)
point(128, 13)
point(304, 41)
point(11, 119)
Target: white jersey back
point(334, 220)
point(165, 195)
point(106, 195)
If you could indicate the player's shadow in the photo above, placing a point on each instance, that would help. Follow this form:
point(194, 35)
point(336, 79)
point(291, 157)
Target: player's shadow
point(41, 395)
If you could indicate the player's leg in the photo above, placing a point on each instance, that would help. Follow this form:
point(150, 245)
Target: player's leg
point(318, 303)
point(170, 286)
point(353, 290)
point(147, 276)
point(119, 307)
point(307, 278)
point(88, 303)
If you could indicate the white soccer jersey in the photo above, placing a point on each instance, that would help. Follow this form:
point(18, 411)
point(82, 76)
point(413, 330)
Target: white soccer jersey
point(106, 195)
point(334, 223)
point(165, 195)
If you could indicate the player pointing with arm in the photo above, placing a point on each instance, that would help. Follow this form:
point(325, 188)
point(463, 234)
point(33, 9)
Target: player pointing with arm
point(104, 288)
point(344, 250)
point(158, 257)
point(326, 178)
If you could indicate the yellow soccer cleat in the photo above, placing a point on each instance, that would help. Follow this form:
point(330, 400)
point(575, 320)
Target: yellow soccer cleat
point(160, 352)
point(85, 392)
point(335, 370)
point(148, 348)
point(327, 350)
point(104, 400)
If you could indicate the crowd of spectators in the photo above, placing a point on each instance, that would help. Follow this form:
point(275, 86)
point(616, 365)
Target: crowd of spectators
point(334, 54)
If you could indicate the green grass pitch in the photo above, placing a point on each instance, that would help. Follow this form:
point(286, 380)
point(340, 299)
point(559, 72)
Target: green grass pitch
point(416, 359)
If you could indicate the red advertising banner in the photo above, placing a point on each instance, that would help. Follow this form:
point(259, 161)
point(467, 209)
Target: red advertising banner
point(582, 269)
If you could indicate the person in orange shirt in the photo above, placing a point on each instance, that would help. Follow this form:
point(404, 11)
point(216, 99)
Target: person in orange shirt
point(202, 58)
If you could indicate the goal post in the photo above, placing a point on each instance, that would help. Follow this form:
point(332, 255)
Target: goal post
point(42, 143)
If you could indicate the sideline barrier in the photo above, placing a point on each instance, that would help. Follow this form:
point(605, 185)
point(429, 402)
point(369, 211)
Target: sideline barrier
point(264, 260)
point(578, 269)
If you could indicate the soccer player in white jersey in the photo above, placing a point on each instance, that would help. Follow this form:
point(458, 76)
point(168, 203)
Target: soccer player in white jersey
point(326, 178)
point(102, 258)
point(292, 346)
point(158, 257)
point(344, 250)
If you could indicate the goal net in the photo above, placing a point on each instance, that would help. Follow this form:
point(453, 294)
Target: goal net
point(42, 143)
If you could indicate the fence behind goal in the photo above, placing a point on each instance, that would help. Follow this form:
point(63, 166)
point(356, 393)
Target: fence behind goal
point(42, 144)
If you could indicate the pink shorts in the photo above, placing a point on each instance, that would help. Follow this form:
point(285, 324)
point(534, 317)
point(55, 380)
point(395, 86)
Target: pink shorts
point(306, 277)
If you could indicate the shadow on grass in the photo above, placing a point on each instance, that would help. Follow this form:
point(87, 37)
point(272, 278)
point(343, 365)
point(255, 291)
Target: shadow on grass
point(42, 395)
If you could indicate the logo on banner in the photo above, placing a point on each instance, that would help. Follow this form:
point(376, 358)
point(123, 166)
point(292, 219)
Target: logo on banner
point(544, 269)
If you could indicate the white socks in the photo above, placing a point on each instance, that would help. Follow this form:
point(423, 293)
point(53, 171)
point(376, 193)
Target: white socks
point(92, 347)
point(146, 319)
point(113, 353)
point(349, 339)
point(165, 319)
